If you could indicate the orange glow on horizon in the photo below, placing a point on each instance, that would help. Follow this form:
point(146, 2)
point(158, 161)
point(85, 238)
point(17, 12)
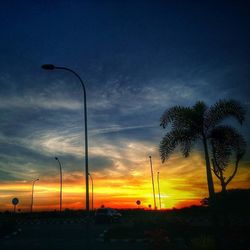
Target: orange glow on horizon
point(182, 182)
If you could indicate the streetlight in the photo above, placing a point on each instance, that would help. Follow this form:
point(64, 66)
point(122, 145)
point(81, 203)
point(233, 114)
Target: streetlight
point(60, 168)
point(52, 67)
point(92, 191)
point(158, 181)
point(32, 194)
point(152, 176)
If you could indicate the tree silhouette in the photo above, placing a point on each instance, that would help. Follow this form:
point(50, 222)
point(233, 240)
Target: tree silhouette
point(226, 143)
point(196, 123)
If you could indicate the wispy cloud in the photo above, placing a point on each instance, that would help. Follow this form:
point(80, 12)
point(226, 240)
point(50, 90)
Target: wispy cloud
point(33, 101)
point(117, 128)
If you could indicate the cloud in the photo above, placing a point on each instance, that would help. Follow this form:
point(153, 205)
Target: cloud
point(117, 128)
point(32, 101)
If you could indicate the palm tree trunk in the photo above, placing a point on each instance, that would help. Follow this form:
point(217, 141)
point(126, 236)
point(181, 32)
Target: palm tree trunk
point(218, 242)
point(210, 182)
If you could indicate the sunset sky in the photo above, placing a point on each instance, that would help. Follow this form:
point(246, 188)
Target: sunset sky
point(137, 58)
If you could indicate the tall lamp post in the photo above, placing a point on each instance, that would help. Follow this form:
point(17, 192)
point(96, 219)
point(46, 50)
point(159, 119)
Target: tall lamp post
point(92, 191)
point(60, 168)
point(152, 176)
point(52, 67)
point(158, 181)
point(32, 194)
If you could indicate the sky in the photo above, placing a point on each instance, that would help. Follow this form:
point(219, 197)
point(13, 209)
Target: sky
point(137, 59)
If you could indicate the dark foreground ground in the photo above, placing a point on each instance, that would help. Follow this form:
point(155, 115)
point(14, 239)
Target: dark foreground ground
point(138, 229)
point(63, 233)
point(62, 236)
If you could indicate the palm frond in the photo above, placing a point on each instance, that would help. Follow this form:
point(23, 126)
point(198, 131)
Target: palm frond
point(199, 110)
point(200, 107)
point(179, 117)
point(183, 138)
point(226, 141)
point(224, 109)
point(240, 148)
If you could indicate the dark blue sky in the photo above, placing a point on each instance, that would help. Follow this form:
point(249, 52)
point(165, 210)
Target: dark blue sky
point(137, 59)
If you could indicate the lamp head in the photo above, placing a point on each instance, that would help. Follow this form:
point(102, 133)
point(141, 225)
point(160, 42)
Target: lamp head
point(48, 66)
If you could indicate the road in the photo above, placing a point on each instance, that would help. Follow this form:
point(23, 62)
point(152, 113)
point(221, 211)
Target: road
point(59, 235)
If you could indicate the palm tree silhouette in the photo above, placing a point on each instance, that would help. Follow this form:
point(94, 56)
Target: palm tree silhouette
point(196, 123)
point(226, 142)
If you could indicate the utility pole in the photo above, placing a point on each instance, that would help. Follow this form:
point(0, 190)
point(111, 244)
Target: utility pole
point(158, 181)
point(152, 176)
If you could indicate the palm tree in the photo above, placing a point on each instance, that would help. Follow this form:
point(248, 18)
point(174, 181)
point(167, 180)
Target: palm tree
point(192, 124)
point(226, 143)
